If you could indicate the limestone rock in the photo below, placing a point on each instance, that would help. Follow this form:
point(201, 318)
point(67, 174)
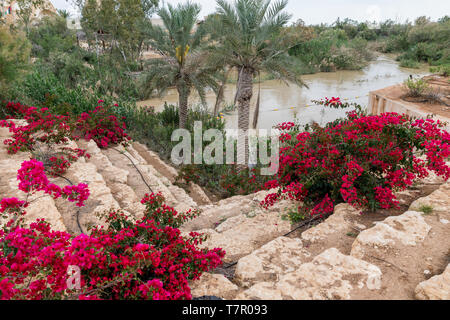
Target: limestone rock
point(330, 275)
point(157, 184)
point(100, 198)
point(261, 291)
point(182, 198)
point(231, 223)
point(408, 229)
point(43, 207)
point(214, 215)
point(249, 235)
point(127, 199)
point(261, 195)
point(268, 263)
point(435, 288)
point(152, 158)
point(213, 285)
point(199, 193)
point(338, 223)
point(438, 201)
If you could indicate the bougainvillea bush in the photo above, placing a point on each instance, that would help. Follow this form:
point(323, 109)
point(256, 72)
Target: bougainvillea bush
point(42, 128)
point(126, 259)
point(102, 126)
point(361, 160)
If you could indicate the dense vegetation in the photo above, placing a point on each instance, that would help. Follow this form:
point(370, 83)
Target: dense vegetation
point(340, 46)
point(421, 41)
point(348, 44)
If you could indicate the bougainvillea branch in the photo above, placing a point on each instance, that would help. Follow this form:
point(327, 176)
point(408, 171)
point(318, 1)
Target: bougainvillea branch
point(53, 131)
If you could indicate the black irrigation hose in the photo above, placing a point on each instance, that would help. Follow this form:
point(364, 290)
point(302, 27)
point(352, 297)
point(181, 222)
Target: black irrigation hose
point(137, 169)
point(77, 215)
point(285, 235)
point(303, 224)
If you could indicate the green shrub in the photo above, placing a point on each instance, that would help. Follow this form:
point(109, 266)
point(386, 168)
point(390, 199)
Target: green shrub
point(45, 89)
point(443, 70)
point(397, 43)
point(331, 50)
point(426, 209)
point(427, 52)
point(52, 35)
point(155, 129)
point(14, 57)
point(416, 87)
point(409, 63)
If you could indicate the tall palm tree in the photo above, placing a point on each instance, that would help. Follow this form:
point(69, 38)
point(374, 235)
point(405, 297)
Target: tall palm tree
point(182, 63)
point(253, 42)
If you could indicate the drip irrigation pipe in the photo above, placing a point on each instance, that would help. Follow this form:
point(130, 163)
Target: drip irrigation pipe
point(77, 214)
point(137, 169)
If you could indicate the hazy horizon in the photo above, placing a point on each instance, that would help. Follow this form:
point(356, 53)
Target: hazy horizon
point(327, 11)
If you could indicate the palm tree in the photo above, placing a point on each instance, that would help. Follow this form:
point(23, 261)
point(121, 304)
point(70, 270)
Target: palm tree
point(253, 42)
point(182, 63)
point(64, 14)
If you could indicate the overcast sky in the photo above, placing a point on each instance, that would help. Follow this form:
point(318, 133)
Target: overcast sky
point(317, 11)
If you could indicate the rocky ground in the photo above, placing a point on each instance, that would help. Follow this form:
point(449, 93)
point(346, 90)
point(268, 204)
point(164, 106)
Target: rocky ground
point(347, 256)
point(386, 255)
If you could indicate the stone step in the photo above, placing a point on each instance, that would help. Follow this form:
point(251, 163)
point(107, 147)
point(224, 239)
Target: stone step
point(120, 157)
point(266, 264)
point(213, 285)
point(115, 178)
point(386, 261)
point(239, 225)
point(171, 174)
point(400, 257)
point(100, 201)
point(332, 233)
point(153, 159)
point(198, 194)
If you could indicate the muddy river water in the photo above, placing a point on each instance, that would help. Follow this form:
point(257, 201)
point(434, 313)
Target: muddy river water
point(281, 103)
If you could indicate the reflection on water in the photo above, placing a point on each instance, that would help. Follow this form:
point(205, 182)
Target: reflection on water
point(291, 100)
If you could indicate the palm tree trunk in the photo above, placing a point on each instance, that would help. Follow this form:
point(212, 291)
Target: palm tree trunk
point(220, 93)
point(237, 87)
point(183, 96)
point(256, 114)
point(245, 91)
